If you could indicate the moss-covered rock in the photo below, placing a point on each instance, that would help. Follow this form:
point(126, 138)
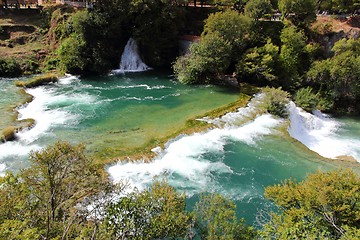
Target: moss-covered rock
point(8, 134)
point(38, 81)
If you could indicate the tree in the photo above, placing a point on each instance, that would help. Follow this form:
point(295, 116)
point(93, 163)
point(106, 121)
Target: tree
point(260, 64)
point(231, 26)
point(206, 61)
point(215, 218)
point(339, 75)
point(156, 26)
point(300, 12)
point(294, 57)
point(324, 205)
point(51, 196)
point(156, 213)
point(257, 9)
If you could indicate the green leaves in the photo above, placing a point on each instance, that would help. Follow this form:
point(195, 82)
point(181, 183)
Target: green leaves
point(47, 198)
point(325, 205)
point(156, 213)
point(215, 218)
point(306, 99)
point(339, 75)
point(206, 59)
point(300, 12)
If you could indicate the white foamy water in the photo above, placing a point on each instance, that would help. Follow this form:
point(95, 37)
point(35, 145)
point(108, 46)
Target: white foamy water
point(68, 79)
point(184, 162)
point(48, 109)
point(2, 169)
point(44, 117)
point(130, 59)
point(319, 133)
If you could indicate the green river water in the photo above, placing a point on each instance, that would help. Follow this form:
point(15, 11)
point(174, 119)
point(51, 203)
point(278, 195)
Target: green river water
point(113, 113)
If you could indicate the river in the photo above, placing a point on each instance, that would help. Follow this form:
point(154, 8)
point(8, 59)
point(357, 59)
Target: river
point(238, 157)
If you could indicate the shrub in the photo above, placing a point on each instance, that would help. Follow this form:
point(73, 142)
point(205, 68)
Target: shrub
point(37, 81)
point(9, 68)
point(275, 101)
point(306, 99)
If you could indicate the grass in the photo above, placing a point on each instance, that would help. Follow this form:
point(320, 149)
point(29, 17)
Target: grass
point(38, 81)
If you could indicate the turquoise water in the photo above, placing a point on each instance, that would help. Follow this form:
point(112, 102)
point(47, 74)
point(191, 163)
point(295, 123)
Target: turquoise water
point(113, 114)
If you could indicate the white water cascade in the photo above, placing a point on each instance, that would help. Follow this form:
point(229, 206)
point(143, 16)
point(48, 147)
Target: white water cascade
point(131, 60)
point(319, 133)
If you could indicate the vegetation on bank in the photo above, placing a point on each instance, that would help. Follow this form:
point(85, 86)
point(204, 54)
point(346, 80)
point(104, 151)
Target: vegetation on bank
point(65, 195)
point(255, 48)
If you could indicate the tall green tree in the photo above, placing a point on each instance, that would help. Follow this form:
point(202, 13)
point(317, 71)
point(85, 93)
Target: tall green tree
point(300, 12)
point(260, 64)
point(156, 213)
point(215, 218)
point(206, 61)
point(326, 205)
point(257, 9)
point(232, 27)
point(339, 75)
point(50, 196)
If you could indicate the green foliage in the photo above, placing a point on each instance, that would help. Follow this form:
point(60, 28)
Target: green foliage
point(156, 27)
point(323, 206)
point(205, 61)
point(231, 26)
point(48, 197)
point(306, 99)
point(257, 9)
point(72, 54)
point(91, 41)
point(294, 57)
point(300, 12)
point(216, 219)
point(339, 75)
point(259, 64)
point(9, 68)
point(338, 6)
point(18, 230)
point(157, 213)
point(275, 101)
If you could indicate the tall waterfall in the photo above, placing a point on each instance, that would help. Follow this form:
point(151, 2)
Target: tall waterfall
point(320, 133)
point(130, 59)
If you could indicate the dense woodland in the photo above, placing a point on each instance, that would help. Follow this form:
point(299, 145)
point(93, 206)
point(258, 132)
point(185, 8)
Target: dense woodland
point(66, 195)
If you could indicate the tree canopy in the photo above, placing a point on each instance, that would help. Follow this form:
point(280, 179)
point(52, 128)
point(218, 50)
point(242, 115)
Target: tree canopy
point(326, 205)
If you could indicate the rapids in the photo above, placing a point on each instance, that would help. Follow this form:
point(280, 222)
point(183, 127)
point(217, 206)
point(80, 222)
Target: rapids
point(243, 152)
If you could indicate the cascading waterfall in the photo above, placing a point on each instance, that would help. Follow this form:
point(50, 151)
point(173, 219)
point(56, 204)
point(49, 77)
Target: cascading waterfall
point(130, 59)
point(319, 133)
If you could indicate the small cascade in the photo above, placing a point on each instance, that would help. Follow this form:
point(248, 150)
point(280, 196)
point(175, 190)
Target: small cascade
point(131, 60)
point(319, 133)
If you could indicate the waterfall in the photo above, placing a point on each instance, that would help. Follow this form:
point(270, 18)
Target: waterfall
point(130, 59)
point(320, 133)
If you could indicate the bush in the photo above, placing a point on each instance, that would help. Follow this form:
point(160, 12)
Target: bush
point(275, 101)
point(37, 81)
point(9, 68)
point(206, 60)
point(306, 99)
